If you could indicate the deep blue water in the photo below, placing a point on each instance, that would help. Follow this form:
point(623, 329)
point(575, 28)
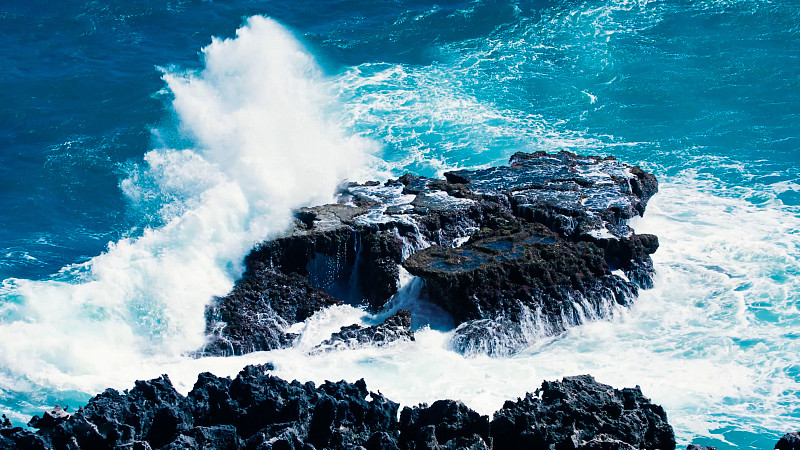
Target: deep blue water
point(704, 93)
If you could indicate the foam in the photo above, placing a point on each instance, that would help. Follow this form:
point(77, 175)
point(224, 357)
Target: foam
point(432, 124)
point(262, 145)
point(696, 344)
point(712, 341)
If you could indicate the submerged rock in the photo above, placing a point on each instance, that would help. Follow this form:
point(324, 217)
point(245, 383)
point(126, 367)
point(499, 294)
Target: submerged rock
point(395, 328)
point(513, 253)
point(258, 411)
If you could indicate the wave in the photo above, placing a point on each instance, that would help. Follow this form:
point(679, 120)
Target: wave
point(265, 138)
point(263, 144)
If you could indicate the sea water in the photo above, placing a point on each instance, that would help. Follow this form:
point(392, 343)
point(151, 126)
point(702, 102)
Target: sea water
point(147, 146)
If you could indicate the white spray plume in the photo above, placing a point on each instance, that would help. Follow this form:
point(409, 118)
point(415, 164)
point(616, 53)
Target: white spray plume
point(264, 145)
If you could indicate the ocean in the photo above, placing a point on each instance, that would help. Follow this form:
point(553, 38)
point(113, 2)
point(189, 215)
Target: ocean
point(146, 146)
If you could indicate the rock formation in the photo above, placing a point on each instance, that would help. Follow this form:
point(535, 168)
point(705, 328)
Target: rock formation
point(395, 328)
point(513, 253)
point(259, 411)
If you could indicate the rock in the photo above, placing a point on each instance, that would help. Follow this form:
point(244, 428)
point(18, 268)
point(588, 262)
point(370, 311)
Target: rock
point(258, 411)
point(571, 194)
point(579, 412)
point(338, 250)
point(445, 424)
point(699, 447)
point(49, 420)
point(512, 286)
point(513, 253)
point(395, 327)
point(255, 314)
point(789, 441)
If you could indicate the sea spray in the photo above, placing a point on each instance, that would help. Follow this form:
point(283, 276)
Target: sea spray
point(698, 326)
point(262, 146)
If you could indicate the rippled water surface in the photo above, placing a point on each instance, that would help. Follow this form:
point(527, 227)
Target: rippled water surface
point(145, 148)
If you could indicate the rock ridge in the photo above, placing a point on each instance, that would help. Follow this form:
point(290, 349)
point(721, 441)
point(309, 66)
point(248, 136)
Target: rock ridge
point(259, 411)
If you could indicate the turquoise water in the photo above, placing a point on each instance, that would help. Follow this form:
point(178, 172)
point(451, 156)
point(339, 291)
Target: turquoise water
point(141, 159)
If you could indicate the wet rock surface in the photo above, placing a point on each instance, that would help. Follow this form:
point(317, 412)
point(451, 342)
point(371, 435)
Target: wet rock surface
point(261, 306)
point(259, 411)
point(508, 286)
point(395, 328)
point(513, 253)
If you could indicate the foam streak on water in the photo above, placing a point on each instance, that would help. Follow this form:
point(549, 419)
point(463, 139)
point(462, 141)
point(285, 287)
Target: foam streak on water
point(263, 146)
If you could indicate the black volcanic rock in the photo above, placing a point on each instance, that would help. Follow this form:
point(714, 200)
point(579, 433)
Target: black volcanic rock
point(395, 327)
point(789, 441)
point(259, 411)
point(503, 281)
point(262, 304)
point(444, 424)
point(580, 413)
point(513, 253)
point(571, 194)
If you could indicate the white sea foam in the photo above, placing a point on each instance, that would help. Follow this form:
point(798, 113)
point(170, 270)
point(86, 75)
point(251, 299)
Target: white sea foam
point(705, 343)
point(263, 145)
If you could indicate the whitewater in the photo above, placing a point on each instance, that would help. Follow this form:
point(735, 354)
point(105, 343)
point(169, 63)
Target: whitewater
point(265, 125)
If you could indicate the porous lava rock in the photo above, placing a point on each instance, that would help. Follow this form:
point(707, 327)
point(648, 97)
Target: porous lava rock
point(580, 413)
point(259, 411)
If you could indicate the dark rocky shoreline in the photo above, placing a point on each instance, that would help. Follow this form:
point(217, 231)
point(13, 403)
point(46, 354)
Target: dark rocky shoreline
point(259, 411)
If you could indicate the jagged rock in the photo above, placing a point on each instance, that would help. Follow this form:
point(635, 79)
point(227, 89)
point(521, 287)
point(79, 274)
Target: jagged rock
point(569, 193)
point(395, 327)
point(255, 314)
point(329, 245)
point(579, 412)
point(546, 247)
point(259, 411)
point(49, 420)
point(789, 441)
point(445, 424)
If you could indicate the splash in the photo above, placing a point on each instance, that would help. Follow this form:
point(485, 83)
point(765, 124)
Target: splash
point(262, 145)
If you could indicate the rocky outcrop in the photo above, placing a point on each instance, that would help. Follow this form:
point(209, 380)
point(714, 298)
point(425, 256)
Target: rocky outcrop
point(510, 286)
point(513, 253)
point(259, 411)
point(397, 327)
